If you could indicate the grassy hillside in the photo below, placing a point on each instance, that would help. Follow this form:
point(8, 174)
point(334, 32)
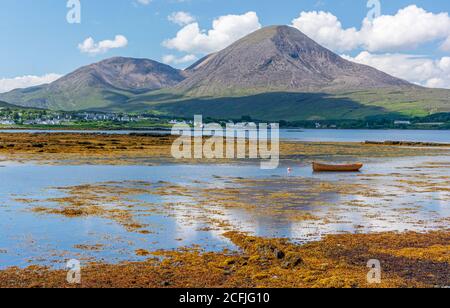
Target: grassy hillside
point(417, 102)
point(273, 106)
point(265, 106)
point(5, 105)
point(292, 106)
point(113, 80)
point(276, 73)
point(69, 100)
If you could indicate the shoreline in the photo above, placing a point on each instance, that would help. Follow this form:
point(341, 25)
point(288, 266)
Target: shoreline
point(338, 261)
point(409, 259)
point(61, 147)
point(76, 128)
point(159, 128)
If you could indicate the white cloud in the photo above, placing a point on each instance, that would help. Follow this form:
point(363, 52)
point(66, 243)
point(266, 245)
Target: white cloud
point(171, 59)
point(416, 69)
point(144, 2)
point(409, 28)
point(225, 31)
point(181, 18)
point(8, 84)
point(327, 30)
point(89, 46)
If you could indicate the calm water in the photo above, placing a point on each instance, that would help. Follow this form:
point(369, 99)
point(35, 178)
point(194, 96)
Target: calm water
point(353, 135)
point(320, 135)
point(31, 238)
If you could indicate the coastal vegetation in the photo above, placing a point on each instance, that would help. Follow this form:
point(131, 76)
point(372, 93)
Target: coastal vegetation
point(95, 148)
point(410, 259)
point(28, 118)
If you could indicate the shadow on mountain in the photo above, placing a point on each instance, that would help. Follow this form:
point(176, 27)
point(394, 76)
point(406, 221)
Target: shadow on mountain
point(123, 103)
point(267, 106)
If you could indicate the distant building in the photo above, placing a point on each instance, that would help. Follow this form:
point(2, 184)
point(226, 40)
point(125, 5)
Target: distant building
point(174, 122)
point(431, 124)
point(402, 122)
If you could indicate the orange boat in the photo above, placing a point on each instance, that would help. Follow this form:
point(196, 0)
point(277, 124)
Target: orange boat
point(337, 168)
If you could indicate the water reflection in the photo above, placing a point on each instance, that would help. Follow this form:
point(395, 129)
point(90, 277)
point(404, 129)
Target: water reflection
point(399, 202)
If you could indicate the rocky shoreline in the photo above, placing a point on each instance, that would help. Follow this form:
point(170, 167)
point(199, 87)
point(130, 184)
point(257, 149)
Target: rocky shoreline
point(339, 261)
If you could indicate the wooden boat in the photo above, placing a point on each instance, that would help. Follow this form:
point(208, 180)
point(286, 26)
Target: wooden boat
point(337, 168)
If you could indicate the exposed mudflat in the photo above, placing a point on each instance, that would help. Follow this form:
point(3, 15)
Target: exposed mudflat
point(408, 260)
point(114, 201)
point(139, 149)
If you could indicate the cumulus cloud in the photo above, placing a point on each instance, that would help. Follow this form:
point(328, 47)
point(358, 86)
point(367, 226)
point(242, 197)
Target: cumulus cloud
point(416, 69)
point(171, 59)
point(327, 30)
point(409, 28)
point(144, 2)
point(8, 84)
point(181, 18)
point(89, 46)
point(225, 31)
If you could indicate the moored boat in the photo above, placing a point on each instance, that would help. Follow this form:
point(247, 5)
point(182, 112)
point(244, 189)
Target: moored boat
point(318, 167)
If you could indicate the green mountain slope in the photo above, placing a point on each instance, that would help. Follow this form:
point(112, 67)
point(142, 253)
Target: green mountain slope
point(294, 106)
point(279, 73)
point(5, 105)
point(113, 80)
point(276, 73)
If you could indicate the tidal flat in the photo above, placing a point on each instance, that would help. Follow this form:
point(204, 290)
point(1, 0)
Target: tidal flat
point(135, 217)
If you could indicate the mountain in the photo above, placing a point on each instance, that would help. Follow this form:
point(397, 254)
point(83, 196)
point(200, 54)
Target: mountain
point(4, 105)
point(280, 58)
point(276, 73)
point(96, 85)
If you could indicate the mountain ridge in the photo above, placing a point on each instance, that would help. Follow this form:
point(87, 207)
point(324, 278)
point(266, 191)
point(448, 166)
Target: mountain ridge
point(274, 73)
point(280, 58)
point(115, 79)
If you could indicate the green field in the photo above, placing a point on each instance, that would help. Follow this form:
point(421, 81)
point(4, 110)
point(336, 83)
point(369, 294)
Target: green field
point(274, 106)
point(294, 106)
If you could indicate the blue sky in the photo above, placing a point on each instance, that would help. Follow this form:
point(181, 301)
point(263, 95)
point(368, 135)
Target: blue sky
point(38, 40)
